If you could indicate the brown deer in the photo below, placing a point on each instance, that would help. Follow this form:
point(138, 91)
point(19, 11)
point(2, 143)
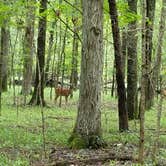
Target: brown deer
point(163, 92)
point(62, 91)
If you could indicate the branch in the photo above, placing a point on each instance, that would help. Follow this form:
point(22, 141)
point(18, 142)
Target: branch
point(73, 6)
point(58, 16)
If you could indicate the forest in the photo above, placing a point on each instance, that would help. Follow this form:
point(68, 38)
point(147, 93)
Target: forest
point(82, 82)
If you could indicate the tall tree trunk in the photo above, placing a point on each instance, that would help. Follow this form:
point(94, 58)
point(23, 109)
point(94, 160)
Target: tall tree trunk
point(106, 46)
point(144, 79)
point(51, 38)
point(124, 51)
point(158, 56)
point(38, 94)
point(59, 59)
point(123, 116)
point(4, 52)
point(1, 62)
point(132, 97)
point(63, 56)
point(88, 125)
point(74, 70)
point(150, 13)
point(28, 49)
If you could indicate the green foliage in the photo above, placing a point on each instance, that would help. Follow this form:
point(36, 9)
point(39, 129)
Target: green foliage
point(4, 160)
point(125, 15)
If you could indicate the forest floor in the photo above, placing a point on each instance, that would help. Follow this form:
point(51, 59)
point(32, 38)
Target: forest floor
point(21, 138)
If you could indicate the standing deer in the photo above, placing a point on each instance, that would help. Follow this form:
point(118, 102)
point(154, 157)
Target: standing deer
point(62, 91)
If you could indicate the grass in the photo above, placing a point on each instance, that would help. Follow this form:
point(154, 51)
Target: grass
point(21, 129)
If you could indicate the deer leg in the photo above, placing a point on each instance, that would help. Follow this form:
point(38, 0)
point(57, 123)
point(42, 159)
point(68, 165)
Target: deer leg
point(66, 98)
point(56, 97)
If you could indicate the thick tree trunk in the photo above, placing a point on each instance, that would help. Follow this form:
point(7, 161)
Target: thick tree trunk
point(87, 132)
point(123, 116)
point(38, 94)
point(28, 49)
point(132, 97)
point(150, 13)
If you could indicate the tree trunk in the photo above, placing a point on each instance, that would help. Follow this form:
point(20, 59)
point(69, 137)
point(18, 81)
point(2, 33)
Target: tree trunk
point(1, 62)
point(124, 51)
point(158, 56)
point(28, 49)
point(144, 78)
point(106, 46)
point(4, 52)
point(63, 56)
point(59, 58)
point(38, 94)
point(150, 13)
point(123, 116)
point(74, 70)
point(132, 97)
point(87, 132)
point(51, 38)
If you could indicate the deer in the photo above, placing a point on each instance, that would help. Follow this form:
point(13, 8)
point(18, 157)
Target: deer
point(63, 91)
point(162, 92)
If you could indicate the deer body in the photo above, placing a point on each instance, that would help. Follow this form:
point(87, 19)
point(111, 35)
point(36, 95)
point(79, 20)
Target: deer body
point(60, 91)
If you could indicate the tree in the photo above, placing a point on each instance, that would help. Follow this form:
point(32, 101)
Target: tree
point(28, 49)
point(4, 51)
point(51, 39)
point(158, 56)
point(123, 116)
point(38, 94)
point(1, 62)
point(150, 13)
point(87, 131)
point(74, 70)
point(132, 63)
point(144, 78)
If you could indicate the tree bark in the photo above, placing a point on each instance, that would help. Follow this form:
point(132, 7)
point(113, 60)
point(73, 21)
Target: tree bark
point(4, 52)
point(1, 62)
point(150, 13)
point(144, 79)
point(124, 51)
point(123, 116)
point(157, 65)
point(51, 39)
point(74, 69)
point(87, 131)
point(132, 97)
point(28, 49)
point(38, 94)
